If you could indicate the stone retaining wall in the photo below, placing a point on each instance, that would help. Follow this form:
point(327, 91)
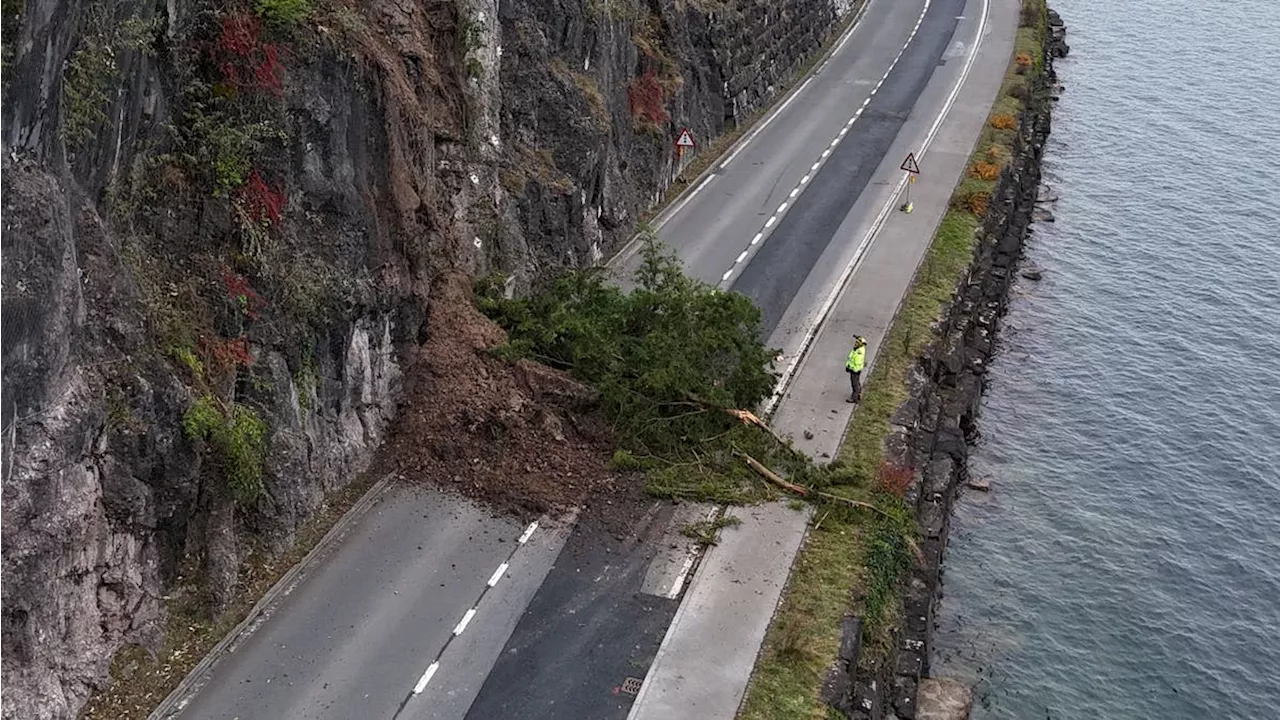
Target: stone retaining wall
point(934, 428)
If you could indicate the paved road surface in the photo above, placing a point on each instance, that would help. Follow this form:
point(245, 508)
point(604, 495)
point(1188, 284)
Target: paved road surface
point(689, 680)
point(577, 611)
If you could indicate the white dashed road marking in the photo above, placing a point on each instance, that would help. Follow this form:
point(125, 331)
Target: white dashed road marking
point(826, 153)
point(470, 614)
point(426, 678)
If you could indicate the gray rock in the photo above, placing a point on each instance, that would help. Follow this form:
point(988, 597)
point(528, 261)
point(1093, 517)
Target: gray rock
point(943, 699)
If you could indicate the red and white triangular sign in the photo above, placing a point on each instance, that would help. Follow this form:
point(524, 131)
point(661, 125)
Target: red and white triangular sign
point(910, 164)
point(686, 139)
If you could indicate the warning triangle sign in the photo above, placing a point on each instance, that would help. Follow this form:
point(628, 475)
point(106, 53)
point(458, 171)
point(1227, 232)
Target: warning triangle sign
point(910, 164)
point(686, 139)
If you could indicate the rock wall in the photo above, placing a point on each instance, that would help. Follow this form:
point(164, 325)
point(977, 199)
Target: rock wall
point(221, 225)
point(933, 429)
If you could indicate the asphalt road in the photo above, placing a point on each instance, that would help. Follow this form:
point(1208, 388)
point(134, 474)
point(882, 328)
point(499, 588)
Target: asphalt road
point(774, 275)
point(357, 632)
point(431, 607)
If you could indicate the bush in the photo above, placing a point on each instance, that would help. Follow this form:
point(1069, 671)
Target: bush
point(894, 479)
point(1003, 122)
point(283, 13)
point(660, 356)
point(984, 170)
point(240, 438)
point(976, 203)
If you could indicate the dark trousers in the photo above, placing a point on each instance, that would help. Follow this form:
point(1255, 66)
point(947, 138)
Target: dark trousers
point(855, 382)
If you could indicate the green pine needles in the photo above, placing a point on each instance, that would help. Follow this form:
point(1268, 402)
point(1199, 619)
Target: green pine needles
point(666, 358)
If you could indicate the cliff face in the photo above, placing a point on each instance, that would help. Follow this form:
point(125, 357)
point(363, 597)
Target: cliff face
point(221, 225)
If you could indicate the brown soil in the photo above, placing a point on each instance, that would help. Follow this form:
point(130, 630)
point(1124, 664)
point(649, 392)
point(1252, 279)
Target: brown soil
point(518, 435)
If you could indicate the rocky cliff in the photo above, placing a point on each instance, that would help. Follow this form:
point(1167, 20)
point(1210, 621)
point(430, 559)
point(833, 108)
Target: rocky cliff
point(221, 225)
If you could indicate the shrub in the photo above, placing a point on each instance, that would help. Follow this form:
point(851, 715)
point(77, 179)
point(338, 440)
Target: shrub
point(243, 59)
point(662, 357)
point(1000, 121)
point(247, 300)
point(646, 99)
point(984, 170)
point(239, 436)
point(283, 13)
point(977, 202)
point(263, 202)
point(893, 478)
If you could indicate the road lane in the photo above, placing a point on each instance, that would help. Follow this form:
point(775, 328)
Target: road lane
point(467, 659)
point(701, 673)
point(774, 275)
point(589, 627)
point(355, 634)
point(710, 230)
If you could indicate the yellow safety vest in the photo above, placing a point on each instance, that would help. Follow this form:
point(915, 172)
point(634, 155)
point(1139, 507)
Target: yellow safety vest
point(857, 359)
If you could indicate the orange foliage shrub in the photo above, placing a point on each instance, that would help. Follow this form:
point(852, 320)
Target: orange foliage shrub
point(976, 203)
point(1003, 122)
point(984, 170)
point(894, 478)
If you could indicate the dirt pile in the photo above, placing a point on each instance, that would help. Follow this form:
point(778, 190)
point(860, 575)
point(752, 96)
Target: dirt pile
point(521, 436)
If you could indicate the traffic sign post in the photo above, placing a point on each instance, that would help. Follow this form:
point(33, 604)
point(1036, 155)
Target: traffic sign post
point(685, 141)
point(912, 168)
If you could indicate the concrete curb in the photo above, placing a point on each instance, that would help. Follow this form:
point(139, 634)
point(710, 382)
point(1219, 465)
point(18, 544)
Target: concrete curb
point(677, 203)
point(176, 701)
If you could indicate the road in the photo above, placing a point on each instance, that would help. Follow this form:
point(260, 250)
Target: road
point(432, 607)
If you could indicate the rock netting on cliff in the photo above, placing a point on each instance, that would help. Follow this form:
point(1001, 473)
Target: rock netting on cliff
point(222, 226)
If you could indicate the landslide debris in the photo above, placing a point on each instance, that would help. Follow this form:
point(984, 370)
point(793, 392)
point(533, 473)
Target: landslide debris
point(519, 435)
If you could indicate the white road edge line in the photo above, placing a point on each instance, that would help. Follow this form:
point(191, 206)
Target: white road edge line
point(497, 574)
point(426, 678)
point(462, 624)
point(839, 287)
point(528, 533)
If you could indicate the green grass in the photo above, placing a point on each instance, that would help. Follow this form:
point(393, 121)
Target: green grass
point(852, 563)
point(801, 643)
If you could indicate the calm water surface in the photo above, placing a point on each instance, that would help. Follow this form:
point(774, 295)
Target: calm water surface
point(1127, 561)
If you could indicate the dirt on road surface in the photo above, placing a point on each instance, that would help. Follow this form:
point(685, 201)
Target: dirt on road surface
point(519, 435)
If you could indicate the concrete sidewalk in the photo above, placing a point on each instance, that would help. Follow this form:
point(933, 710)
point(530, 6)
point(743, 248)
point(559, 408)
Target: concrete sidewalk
point(704, 664)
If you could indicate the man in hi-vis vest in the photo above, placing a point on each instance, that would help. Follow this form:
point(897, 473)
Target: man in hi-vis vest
point(857, 360)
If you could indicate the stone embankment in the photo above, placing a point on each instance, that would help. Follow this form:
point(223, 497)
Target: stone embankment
point(934, 428)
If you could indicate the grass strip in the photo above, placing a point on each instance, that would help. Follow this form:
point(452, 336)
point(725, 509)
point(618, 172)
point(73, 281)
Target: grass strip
point(853, 563)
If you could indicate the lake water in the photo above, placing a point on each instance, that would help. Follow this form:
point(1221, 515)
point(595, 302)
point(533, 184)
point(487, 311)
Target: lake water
point(1127, 561)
